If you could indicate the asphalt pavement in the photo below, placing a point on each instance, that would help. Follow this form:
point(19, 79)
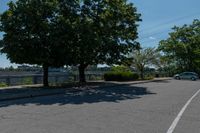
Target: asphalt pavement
point(132, 108)
point(37, 90)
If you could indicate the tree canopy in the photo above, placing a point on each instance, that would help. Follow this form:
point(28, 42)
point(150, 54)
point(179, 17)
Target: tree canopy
point(182, 47)
point(143, 58)
point(31, 34)
point(105, 31)
point(72, 32)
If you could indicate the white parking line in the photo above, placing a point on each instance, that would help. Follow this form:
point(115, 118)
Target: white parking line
point(176, 120)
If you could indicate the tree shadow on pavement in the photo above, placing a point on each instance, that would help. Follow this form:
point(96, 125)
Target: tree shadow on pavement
point(85, 95)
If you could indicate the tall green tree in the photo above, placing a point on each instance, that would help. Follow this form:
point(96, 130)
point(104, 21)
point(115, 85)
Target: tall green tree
point(182, 47)
point(31, 34)
point(167, 66)
point(143, 58)
point(104, 32)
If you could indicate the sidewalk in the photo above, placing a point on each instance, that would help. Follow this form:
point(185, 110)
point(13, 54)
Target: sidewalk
point(21, 92)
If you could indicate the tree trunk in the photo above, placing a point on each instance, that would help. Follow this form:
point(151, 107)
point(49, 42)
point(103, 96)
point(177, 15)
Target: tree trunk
point(45, 75)
point(142, 74)
point(82, 73)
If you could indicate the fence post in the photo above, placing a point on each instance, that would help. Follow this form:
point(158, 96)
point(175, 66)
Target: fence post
point(56, 79)
point(8, 80)
point(34, 79)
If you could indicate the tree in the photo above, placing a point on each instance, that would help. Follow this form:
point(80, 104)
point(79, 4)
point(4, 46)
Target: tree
point(30, 34)
point(143, 58)
point(182, 47)
point(72, 32)
point(167, 67)
point(104, 32)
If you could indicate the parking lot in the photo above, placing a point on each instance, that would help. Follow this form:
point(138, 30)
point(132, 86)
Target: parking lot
point(138, 108)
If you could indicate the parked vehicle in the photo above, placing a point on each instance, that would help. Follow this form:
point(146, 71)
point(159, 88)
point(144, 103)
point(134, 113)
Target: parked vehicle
point(187, 75)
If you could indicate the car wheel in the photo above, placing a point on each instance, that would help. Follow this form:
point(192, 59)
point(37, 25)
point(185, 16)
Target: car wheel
point(193, 79)
point(178, 78)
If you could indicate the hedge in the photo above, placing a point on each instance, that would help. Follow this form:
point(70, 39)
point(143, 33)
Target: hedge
point(120, 76)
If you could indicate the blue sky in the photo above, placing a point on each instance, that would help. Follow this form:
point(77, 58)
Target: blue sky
point(158, 16)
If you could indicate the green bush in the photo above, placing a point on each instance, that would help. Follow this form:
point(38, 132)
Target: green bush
point(120, 69)
point(3, 84)
point(120, 76)
point(148, 77)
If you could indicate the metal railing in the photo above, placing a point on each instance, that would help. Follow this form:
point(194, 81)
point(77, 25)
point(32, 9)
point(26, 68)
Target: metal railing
point(13, 80)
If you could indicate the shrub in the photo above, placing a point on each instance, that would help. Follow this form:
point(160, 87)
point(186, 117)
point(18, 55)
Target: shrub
point(120, 76)
point(120, 69)
point(3, 84)
point(148, 77)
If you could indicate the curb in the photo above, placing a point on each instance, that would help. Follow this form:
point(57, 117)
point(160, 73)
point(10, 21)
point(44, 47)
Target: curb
point(61, 91)
point(28, 96)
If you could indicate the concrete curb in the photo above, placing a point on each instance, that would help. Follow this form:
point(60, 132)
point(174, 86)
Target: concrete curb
point(51, 92)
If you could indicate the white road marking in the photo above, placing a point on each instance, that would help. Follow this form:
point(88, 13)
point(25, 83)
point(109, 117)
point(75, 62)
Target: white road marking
point(176, 120)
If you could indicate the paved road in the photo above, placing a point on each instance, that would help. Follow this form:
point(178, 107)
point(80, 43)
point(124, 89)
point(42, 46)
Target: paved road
point(140, 108)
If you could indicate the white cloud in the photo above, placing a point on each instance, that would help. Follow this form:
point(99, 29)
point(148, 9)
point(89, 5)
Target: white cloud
point(152, 38)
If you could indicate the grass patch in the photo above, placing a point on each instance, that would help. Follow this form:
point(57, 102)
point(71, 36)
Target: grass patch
point(27, 81)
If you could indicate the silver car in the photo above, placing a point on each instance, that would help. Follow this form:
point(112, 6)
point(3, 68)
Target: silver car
point(187, 75)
